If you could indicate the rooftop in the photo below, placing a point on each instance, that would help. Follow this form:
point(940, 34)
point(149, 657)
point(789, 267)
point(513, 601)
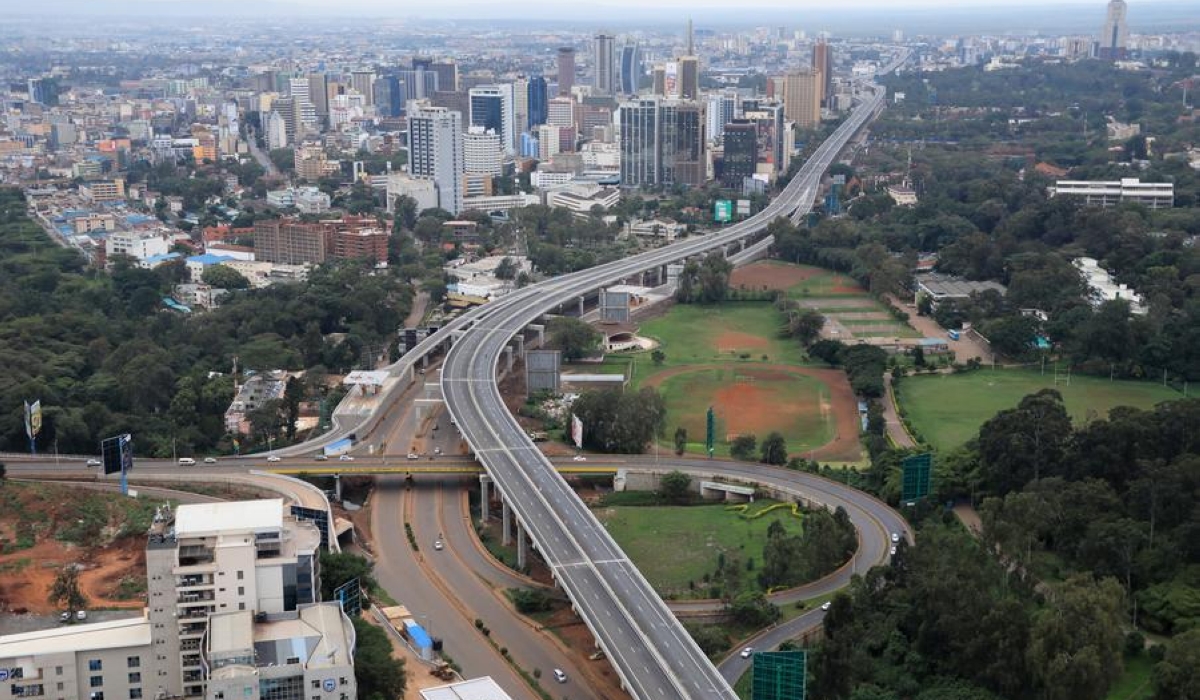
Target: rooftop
point(204, 519)
point(940, 285)
point(475, 689)
point(129, 632)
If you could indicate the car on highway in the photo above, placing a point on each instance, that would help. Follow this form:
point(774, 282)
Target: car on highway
point(345, 458)
point(826, 605)
point(895, 537)
point(210, 460)
point(437, 450)
point(560, 676)
point(93, 463)
point(273, 458)
point(322, 458)
point(80, 615)
point(579, 458)
point(413, 455)
point(747, 652)
point(186, 461)
point(438, 545)
point(892, 552)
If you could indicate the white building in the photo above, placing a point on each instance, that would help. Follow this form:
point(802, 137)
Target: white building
point(1102, 287)
point(307, 200)
point(435, 152)
point(136, 244)
point(1153, 195)
point(549, 141)
point(401, 185)
point(483, 153)
point(581, 197)
point(544, 179)
point(75, 663)
point(492, 107)
point(475, 689)
point(500, 202)
point(561, 112)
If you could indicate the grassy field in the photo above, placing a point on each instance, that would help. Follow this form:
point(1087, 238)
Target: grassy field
point(947, 409)
point(692, 334)
point(1134, 683)
point(674, 545)
point(746, 401)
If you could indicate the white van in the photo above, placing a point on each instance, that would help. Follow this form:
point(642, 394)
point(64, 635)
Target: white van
point(186, 461)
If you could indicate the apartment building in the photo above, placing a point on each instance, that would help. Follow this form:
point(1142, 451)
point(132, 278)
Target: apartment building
point(1153, 195)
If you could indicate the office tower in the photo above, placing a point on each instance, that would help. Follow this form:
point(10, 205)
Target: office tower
point(660, 80)
point(435, 152)
point(419, 84)
point(566, 70)
point(662, 142)
point(483, 154)
point(447, 75)
point(520, 90)
point(1114, 35)
point(492, 108)
point(305, 113)
point(741, 152)
point(274, 128)
point(549, 139)
point(630, 69)
point(822, 62)
point(538, 102)
point(363, 82)
point(772, 141)
point(388, 96)
point(62, 134)
point(605, 65)
point(719, 111)
point(318, 94)
point(44, 91)
point(689, 77)
point(561, 112)
point(802, 98)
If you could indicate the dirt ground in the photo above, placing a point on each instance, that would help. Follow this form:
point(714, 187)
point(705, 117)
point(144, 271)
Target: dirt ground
point(28, 574)
point(767, 275)
point(843, 448)
point(730, 341)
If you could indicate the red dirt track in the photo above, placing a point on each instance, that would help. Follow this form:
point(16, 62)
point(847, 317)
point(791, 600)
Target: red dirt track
point(768, 276)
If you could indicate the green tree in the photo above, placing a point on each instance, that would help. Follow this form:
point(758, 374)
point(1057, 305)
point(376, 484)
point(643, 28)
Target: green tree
point(1025, 443)
point(507, 269)
point(65, 590)
point(224, 277)
point(406, 213)
point(657, 356)
point(338, 568)
point(1075, 644)
point(752, 609)
point(805, 325)
point(774, 449)
point(572, 337)
point(378, 674)
point(680, 440)
point(674, 487)
point(1177, 676)
point(293, 394)
point(743, 447)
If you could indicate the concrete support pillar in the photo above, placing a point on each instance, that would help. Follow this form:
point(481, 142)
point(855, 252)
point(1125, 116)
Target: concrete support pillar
point(581, 307)
point(520, 341)
point(522, 547)
point(505, 523)
point(425, 361)
point(508, 359)
point(485, 496)
point(337, 486)
point(541, 334)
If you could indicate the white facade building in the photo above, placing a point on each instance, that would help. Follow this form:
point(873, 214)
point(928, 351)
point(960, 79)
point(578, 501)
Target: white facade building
point(1102, 287)
point(483, 153)
point(136, 244)
point(1110, 193)
point(435, 147)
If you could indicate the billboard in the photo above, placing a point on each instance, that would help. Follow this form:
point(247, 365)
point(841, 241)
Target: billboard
point(33, 418)
point(779, 675)
point(116, 454)
point(722, 210)
point(542, 371)
point(576, 431)
point(917, 477)
point(743, 207)
point(340, 447)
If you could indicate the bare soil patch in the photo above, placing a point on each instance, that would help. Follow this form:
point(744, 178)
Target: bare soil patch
point(768, 275)
point(732, 341)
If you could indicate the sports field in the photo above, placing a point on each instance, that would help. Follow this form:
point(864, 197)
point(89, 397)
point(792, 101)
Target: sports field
point(748, 399)
point(672, 545)
point(694, 334)
point(947, 409)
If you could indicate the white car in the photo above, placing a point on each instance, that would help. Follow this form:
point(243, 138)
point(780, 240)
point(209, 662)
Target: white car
point(895, 537)
point(186, 461)
point(210, 460)
point(437, 450)
point(81, 615)
point(747, 652)
point(413, 455)
point(273, 458)
point(345, 458)
point(438, 545)
point(826, 605)
point(93, 463)
point(322, 458)
point(579, 458)
point(560, 676)
point(892, 552)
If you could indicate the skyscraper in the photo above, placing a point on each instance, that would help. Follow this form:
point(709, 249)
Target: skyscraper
point(43, 91)
point(447, 75)
point(822, 62)
point(537, 101)
point(605, 67)
point(689, 77)
point(683, 161)
point(802, 98)
point(1114, 35)
point(435, 147)
point(520, 89)
point(388, 96)
point(363, 82)
point(741, 152)
point(720, 110)
point(318, 93)
point(630, 69)
point(566, 70)
point(492, 108)
point(639, 142)
point(662, 142)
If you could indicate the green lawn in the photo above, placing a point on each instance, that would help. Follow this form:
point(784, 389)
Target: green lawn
point(675, 545)
point(1134, 684)
point(692, 334)
point(947, 409)
point(748, 400)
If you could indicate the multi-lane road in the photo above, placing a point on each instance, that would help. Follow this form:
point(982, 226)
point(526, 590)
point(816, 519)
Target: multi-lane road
point(652, 652)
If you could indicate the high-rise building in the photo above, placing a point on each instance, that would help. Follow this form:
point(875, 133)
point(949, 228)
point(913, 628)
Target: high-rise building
point(43, 91)
point(1114, 35)
point(520, 90)
point(630, 69)
point(822, 62)
point(447, 75)
point(741, 152)
point(275, 130)
point(560, 111)
point(566, 70)
point(492, 108)
point(305, 116)
point(419, 84)
point(389, 96)
point(483, 154)
point(318, 93)
point(363, 82)
point(548, 140)
point(719, 111)
point(689, 77)
point(802, 98)
point(660, 80)
point(538, 102)
point(435, 148)
point(773, 140)
point(605, 64)
point(662, 142)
